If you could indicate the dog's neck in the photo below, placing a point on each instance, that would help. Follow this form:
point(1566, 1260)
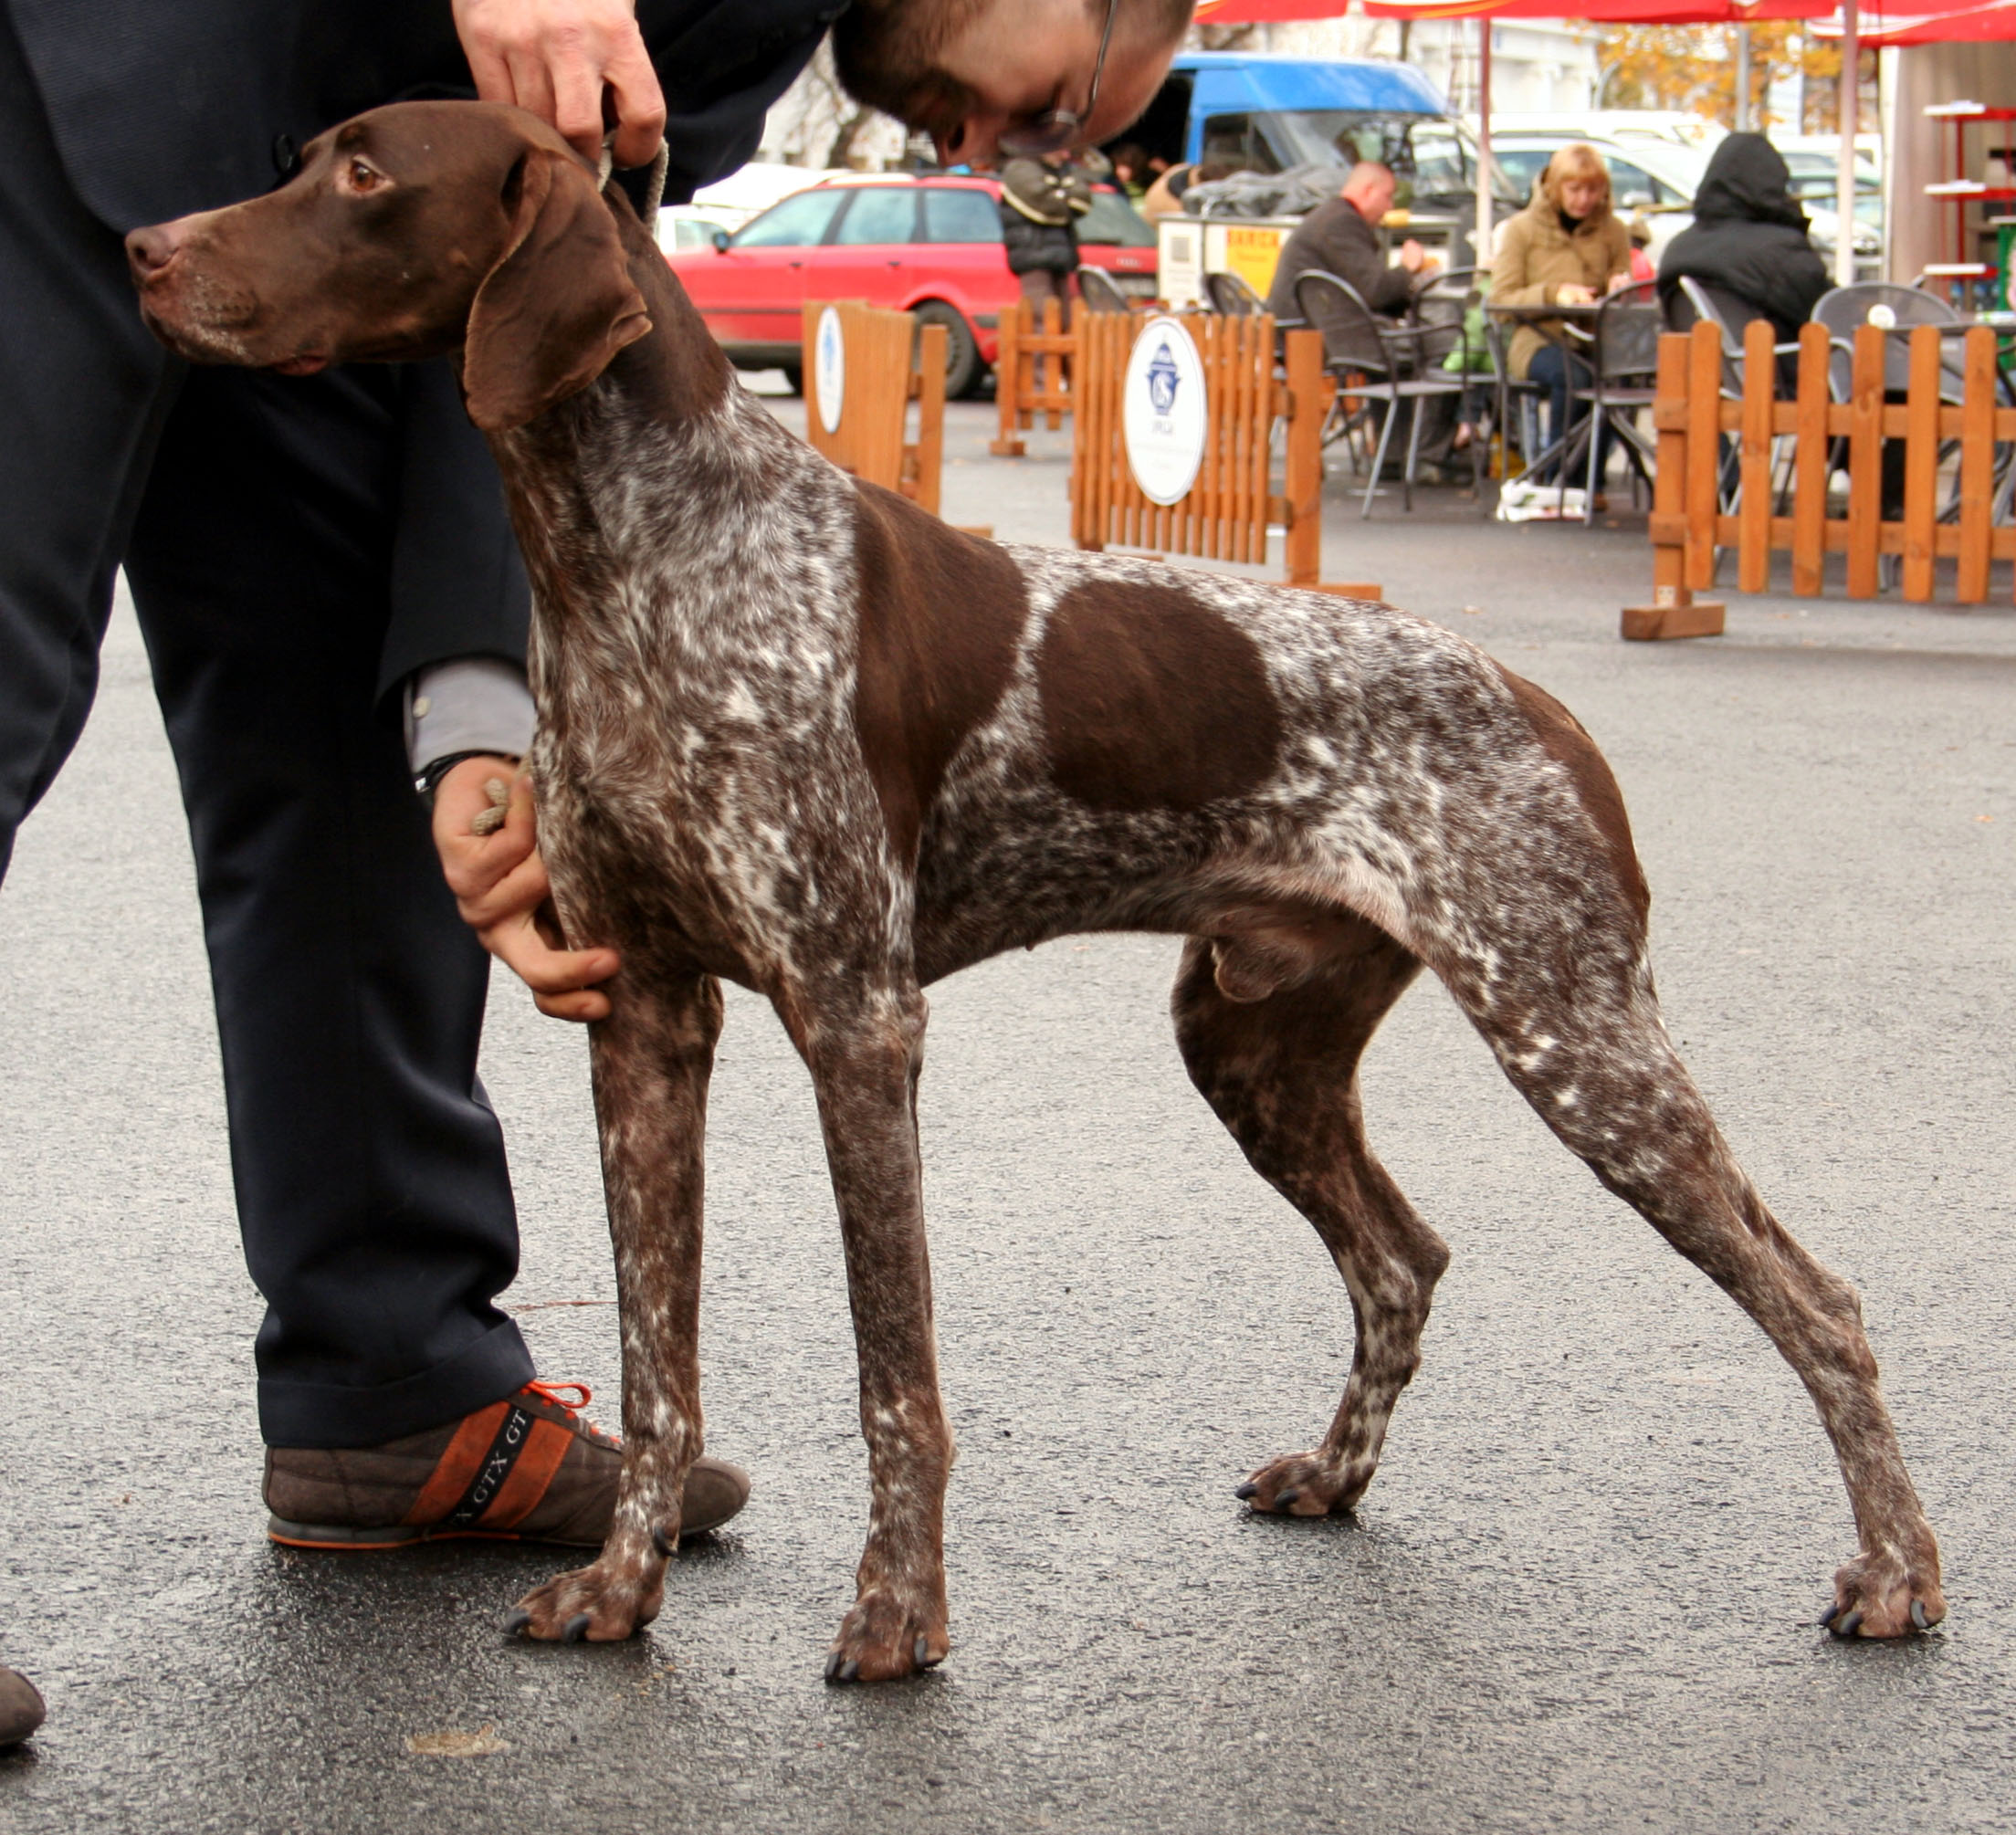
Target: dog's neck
point(676, 371)
point(658, 477)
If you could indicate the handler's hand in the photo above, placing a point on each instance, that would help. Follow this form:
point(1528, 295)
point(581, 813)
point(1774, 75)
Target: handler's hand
point(500, 889)
point(557, 57)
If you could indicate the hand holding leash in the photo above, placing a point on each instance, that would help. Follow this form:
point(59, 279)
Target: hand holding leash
point(560, 59)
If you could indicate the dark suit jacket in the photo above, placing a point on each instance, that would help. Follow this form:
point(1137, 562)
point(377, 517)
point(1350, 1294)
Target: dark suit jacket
point(163, 107)
point(1336, 238)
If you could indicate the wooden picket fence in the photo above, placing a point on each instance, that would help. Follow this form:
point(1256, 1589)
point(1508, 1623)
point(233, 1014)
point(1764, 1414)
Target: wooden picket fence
point(1688, 525)
point(882, 378)
point(1018, 393)
point(1227, 512)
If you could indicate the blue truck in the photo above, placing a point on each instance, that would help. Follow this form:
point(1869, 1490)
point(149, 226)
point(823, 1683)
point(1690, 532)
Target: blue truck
point(1263, 114)
point(1267, 113)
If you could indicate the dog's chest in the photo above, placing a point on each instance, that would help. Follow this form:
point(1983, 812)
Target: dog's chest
point(708, 793)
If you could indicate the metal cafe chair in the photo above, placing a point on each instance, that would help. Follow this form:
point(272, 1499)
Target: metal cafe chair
point(1622, 357)
point(1692, 303)
point(1230, 294)
point(1098, 292)
point(1377, 360)
point(1895, 309)
point(1442, 307)
point(1730, 316)
point(1843, 309)
point(1517, 398)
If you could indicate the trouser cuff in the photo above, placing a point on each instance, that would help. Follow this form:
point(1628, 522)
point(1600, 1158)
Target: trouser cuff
point(334, 1414)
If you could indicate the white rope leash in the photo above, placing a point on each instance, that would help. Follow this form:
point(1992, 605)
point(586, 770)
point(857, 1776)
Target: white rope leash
point(654, 192)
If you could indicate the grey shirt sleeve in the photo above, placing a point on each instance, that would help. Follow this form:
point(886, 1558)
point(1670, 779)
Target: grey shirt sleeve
point(470, 704)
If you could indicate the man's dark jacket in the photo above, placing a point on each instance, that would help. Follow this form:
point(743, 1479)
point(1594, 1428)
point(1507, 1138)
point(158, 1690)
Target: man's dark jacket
point(1039, 207)
point(162, 107)
point(1748, 239)
point(1336, 238)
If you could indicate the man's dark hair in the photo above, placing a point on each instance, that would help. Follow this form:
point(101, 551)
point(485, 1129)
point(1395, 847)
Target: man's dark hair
point(887, 50)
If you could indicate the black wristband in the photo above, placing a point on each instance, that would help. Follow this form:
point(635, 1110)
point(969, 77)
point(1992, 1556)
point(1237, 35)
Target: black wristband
point(430, 775)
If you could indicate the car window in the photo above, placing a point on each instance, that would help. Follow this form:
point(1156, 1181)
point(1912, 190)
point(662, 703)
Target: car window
point(799, 219)
point(961, 213)
point(1440, 168)
point(1522, 165)
point(1237, 140)
point(1632, 187)
point(878, 213)
point(1818, 191)
point(1113, 220)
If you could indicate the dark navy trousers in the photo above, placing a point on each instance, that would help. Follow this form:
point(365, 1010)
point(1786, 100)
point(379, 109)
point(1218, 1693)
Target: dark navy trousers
point(291, 545)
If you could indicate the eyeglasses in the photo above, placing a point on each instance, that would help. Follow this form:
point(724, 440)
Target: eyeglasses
point(1056, 128)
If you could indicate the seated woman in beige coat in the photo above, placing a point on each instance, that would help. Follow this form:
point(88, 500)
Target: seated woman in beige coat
point(1566, 247)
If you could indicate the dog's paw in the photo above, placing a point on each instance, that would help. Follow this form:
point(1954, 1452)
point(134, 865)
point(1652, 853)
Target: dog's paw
point(602, 1604)
point(1303, 1484)
point(1890, 1595)
point(887, 1636)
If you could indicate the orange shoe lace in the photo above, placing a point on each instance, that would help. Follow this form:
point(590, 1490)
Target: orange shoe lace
point(551, 1392)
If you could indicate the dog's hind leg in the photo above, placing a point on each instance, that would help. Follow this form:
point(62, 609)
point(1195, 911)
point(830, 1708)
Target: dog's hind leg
point(1282, 1073)
point(652, 1058)
point(864, 1044)
point(1578, 1031)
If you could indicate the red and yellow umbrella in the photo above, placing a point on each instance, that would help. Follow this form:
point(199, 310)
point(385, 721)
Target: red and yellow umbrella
point(1914, 22)
point(1606, 12)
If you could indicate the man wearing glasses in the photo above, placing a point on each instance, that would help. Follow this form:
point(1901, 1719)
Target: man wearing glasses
point(307, 555)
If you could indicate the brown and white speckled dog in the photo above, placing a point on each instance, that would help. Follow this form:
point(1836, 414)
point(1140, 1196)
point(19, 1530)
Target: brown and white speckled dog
point(794, 732)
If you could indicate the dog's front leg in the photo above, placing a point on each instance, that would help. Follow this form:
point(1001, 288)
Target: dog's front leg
point(652, 1058)
point(864, 1055)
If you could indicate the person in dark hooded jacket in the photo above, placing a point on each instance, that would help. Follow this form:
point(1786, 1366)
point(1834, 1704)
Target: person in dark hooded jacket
point(1747, 244)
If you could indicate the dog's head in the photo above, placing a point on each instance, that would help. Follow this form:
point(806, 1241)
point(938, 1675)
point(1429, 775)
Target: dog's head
point(409, 232)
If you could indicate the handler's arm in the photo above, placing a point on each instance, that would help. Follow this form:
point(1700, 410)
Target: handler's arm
point(500, 889)
point(557, 58)
point(468, 721)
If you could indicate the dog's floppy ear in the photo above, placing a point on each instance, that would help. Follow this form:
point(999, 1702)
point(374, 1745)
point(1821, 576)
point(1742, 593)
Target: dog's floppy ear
point(551, 313)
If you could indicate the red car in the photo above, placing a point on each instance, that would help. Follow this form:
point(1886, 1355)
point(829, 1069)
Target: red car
point(926, 245)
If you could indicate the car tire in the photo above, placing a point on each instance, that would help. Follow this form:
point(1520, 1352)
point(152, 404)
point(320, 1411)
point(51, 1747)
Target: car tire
point(963, 368)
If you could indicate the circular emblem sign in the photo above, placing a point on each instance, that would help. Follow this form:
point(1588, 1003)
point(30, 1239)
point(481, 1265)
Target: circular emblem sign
point(829, 369)
point(1162, 415)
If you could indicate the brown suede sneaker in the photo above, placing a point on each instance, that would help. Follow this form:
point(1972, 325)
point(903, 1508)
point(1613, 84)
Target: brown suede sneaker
point(21, 1709)
point(528, 1469)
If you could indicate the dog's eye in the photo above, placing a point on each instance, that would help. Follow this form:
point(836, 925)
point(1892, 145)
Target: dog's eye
point(364, 177)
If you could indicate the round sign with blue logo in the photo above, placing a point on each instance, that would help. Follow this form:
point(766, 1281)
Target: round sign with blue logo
point(1162, 417)
point(829, 369)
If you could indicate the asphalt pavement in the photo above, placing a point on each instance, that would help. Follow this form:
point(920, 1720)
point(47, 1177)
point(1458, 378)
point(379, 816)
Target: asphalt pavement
point(1580, 1594)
